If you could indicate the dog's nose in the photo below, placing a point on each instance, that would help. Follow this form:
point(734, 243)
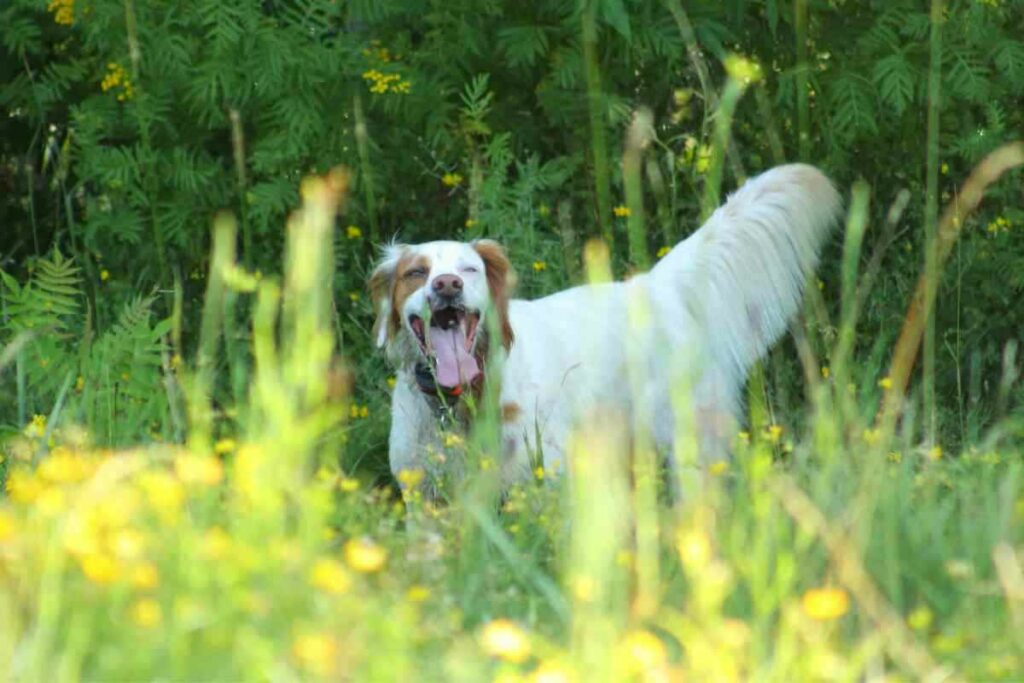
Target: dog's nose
point(447, 285)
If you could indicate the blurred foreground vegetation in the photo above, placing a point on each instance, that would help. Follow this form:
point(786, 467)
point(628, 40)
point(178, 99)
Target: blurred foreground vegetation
point(194, 421)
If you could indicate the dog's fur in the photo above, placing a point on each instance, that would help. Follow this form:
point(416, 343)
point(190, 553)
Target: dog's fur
point(700, 318)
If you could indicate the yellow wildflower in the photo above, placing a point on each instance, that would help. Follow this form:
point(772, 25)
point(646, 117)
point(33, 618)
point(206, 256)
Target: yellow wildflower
point(348, 484)
point(774, 433)
point(717, 469)
point(742, 69)
point(538, 473)
point(8, 526)
point(885, 383)
point(920, 619)
point(643, 652)
point(826, 372)
point(36, 427)
point(104, 274)
point(100, 569)
point(694, 548)
point(365, 556)
point(354, 297)
point(551, 672)
point(663, 252)
point(392, 381)
point(330, 576)
point(825, 604)
point(146, 613)
point(505, 640)
point(621, 211)
point(317, 652)
point(935, 453)
point(471, 223)
point(353, 232)
point(199, 469)
point(451, 179)
point(539, 266)
point(63, 11)
point(224, 446)
point(411, 478)
point(144, 576)
point(417, 593)
point(944, 168)
point(451, 439)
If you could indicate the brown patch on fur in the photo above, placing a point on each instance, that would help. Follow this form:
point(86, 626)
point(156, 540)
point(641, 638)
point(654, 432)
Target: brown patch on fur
point(499, 282)
point(510, 412)
point(406, 281)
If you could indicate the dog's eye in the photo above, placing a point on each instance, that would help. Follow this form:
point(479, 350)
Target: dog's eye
point(470, 269)
point(414, 273)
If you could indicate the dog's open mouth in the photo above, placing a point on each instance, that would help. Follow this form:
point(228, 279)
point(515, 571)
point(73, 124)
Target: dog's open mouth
point(448, 341)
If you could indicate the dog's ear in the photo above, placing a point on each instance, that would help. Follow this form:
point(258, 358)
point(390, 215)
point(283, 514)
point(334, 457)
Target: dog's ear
point(380, 286)
point(500, 281)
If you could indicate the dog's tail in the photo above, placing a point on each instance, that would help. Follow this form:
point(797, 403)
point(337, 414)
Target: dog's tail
point(744, 270)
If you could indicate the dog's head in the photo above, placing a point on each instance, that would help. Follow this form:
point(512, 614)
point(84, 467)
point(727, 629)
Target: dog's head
point(432, 300)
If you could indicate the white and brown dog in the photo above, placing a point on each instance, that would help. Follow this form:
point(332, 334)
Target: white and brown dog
point(702, 316)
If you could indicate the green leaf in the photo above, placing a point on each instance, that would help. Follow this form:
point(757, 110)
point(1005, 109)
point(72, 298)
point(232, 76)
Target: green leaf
point(615, 15)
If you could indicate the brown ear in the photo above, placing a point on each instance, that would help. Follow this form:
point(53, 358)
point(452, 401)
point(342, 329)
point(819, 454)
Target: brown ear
point(380, 284)
point(500, 279)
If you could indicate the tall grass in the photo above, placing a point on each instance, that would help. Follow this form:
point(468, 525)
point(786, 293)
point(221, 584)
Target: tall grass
point(843, 550)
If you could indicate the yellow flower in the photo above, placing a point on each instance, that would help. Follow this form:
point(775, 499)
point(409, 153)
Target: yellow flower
point(146, 613)
point(621, 211)
point(825, 604)
point(774, 433)
point(744, 70)
point(539, 266)
point(935, 453)
point(826, 372)
point(694, 549)
point(451, 179)
point(104, 274)
point(504, 639)
point(538, 473)
point(353, 232)
point(223, 446)
point(417, 593)
point(365, 556)
point(356, 411)
point(544, 210)
point(317, 652)
point(8, 526)
point(663, 252)
point(744, 437)
point(451, 440)
point(944, 168)
point(36, 427)
point(100, 569)
point(885, 383)
point(717, 469)
point(920, 619)
point(199, 469)
point(643, 652)
point(411, 478)
point(330, 576)
point(348, 484)
point(471, 223)
point(63, 11)
point(392, 381)
point(144, 576)
point(353, 297)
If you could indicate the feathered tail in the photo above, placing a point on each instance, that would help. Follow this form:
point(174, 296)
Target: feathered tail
point(745, 268)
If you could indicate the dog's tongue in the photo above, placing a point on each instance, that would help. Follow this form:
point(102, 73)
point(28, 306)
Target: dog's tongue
point(455, 365)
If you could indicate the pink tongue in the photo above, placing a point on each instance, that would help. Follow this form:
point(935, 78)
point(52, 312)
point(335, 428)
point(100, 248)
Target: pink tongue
point(455, 365)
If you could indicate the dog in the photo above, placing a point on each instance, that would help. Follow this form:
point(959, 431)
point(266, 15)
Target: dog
point(700, 318)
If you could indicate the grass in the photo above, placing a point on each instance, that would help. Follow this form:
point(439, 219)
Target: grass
point(838, 549)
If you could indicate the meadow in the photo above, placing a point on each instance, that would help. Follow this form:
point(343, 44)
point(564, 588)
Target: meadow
point(193, 419)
